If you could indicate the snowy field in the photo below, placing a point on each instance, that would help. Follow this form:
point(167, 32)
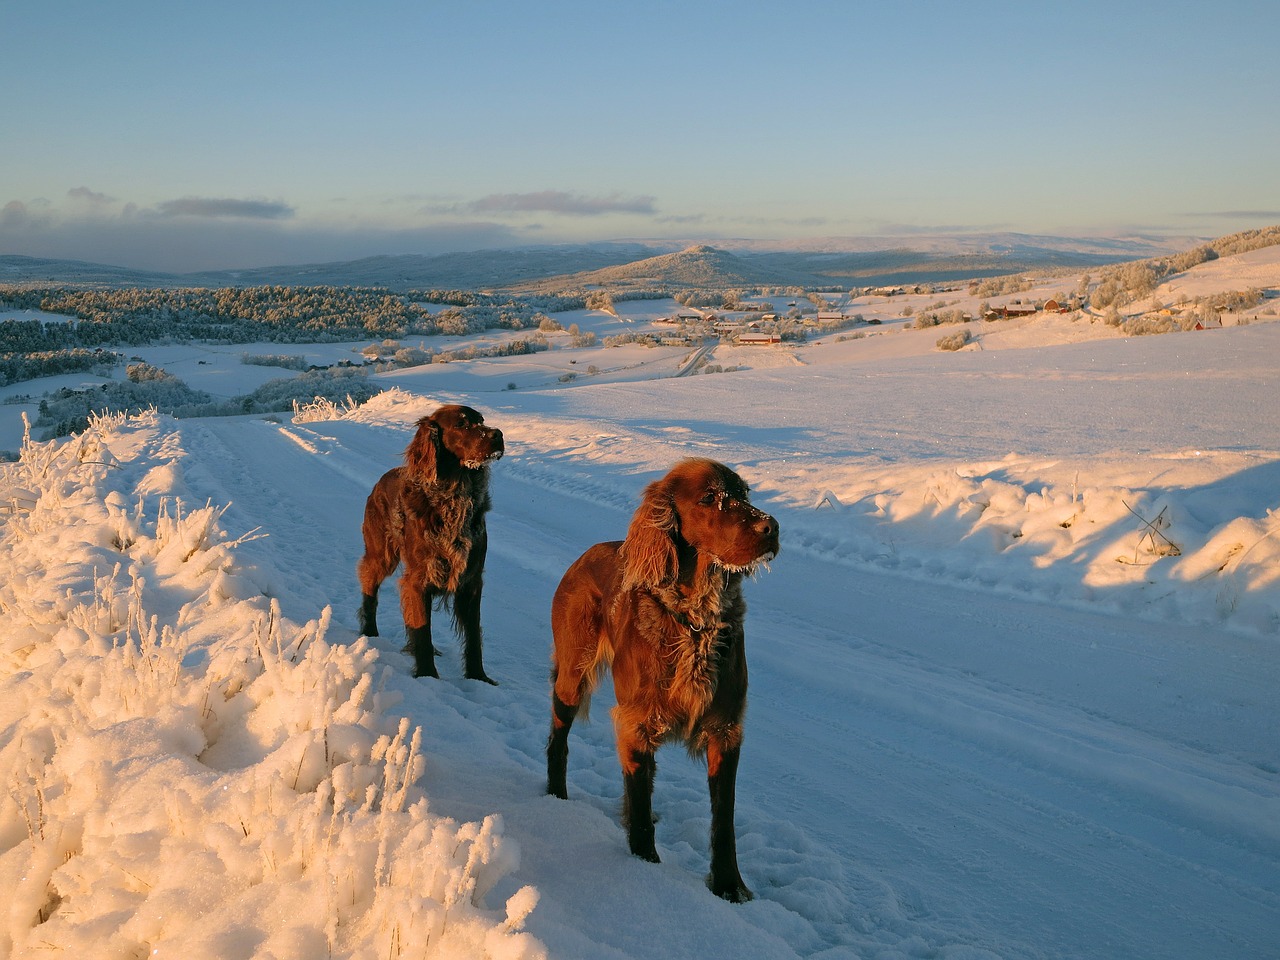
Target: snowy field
point(1013, 674)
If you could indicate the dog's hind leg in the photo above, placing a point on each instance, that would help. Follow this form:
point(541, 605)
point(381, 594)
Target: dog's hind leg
point(367, 616)
point(562, 717)
point(374, 567)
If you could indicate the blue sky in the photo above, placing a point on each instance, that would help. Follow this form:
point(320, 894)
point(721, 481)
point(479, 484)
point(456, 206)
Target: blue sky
point(180, 136)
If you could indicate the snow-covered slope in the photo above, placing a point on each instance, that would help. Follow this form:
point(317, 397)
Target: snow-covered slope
point(1013, 673)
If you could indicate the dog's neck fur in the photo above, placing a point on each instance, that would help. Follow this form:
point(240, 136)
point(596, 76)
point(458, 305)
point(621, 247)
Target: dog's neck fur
point(696, 596)
point(698, 600)
point(453, 477)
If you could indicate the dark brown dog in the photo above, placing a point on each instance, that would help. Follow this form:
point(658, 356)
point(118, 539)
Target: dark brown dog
point(663, 610)
point(429, 514)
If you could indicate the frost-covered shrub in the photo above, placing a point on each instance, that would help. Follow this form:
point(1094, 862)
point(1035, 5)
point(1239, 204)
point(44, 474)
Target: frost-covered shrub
point(622, 339)
point(336, 384)
point(412, 357)
point(145, 373)
point(285, 360)
point(181, 760)
point(1155, 323)
point(148, 388)
point(936, 318)
point(953, 341)
point(322, 408)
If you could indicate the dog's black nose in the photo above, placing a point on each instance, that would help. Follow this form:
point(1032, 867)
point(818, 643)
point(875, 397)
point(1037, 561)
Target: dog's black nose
point(766, 526)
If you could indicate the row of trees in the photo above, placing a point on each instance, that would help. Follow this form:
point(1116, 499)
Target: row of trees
point(147, 387)
point(247, 314)
point(1127, 282)
point(17, 367)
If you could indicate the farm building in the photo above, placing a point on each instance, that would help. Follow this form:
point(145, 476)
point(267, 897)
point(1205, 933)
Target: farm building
point(1015, 309)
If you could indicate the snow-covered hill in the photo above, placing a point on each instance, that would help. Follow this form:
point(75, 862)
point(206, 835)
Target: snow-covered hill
point(1013, 672)
point(747, 262)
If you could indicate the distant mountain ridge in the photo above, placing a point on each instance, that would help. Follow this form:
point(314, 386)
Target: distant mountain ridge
point(826, 261)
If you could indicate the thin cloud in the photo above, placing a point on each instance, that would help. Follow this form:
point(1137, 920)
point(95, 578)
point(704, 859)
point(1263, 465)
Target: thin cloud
point(16, 215)
point(1269, 215)
point(217, 207)
point(900, 229)
point(85, 195)
point(557, 201)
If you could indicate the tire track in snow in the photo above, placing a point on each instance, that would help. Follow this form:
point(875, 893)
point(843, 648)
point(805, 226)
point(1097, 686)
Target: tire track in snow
point(306, 496)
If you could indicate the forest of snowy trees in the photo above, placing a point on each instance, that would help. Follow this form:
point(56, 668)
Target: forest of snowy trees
point(131, 316)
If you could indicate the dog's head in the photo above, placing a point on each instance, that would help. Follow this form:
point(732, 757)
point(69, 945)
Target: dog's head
point(700, 505)
point(452, 439)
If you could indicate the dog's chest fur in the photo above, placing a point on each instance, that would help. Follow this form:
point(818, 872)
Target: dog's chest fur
point(450, 514)
point(693, 631)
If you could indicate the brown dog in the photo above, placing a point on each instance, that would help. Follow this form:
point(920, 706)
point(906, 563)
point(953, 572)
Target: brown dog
point(429, 514)
point(663, 610)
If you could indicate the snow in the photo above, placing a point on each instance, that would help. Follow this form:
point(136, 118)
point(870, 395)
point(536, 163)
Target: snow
point(1013, 672)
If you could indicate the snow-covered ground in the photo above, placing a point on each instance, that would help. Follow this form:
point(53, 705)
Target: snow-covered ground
point(1014, 672)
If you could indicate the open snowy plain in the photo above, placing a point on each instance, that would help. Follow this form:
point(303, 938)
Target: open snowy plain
point(1013, 675)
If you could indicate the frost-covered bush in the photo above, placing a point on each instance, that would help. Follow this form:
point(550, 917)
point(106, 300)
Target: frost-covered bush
point(935, 318)
point(17, 366)
point(285, 360)
point(954, 341)
point(146, 373)
point(412, 357)
point(68, 411)
point(335, 383)
point(1154, 323)
point(622, 339)
point(181, 760)
point(322, 408)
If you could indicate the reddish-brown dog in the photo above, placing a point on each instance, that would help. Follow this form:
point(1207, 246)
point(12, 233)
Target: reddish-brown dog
point(663, 610)
point(430, 514)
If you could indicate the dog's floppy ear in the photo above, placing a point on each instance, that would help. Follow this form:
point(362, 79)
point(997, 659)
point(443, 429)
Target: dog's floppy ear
point(648, 554)
point(422, 454)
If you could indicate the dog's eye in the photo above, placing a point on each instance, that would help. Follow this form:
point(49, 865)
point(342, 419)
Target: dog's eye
point(709, 498)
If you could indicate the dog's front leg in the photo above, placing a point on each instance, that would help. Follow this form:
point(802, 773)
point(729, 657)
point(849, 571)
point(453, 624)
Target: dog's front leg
point(466, 613)
point(722, 775)
point(638, 770)
point(417, 630)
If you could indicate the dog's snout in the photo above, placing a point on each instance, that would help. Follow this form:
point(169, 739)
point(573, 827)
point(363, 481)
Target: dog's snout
point(766, 526)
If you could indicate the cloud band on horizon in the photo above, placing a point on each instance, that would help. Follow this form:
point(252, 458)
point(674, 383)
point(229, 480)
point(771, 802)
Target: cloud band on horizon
point(558, 201)
point(225, 207)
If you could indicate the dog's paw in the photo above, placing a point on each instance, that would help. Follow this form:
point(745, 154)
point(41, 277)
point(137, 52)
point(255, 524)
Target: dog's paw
point(732, 889)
